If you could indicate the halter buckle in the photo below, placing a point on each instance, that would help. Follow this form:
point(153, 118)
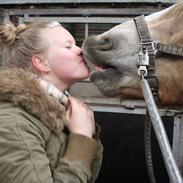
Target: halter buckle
point(143, 58)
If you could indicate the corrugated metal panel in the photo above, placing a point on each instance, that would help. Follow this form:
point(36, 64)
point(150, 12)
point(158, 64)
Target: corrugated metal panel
point(78, 30)
point(100, 28)
point(82, 1)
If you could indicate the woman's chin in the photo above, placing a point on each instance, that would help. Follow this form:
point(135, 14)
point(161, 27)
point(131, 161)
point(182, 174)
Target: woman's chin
point(85, 76)
point(86, 73)
point(82, 76)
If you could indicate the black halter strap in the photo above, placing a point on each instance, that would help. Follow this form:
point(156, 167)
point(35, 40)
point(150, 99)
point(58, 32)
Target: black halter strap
point(170, 49)
point(148, 45)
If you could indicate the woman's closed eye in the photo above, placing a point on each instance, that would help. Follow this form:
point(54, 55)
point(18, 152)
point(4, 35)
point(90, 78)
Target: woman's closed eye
point(68, 46)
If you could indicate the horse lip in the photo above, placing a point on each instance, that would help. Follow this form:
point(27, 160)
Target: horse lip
point(87, 58)
point(94, 72)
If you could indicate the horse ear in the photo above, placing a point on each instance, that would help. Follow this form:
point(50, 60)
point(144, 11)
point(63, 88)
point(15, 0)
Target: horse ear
point(39, 64)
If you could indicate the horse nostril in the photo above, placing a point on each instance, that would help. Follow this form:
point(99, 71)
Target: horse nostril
point(104, 44)
point(103, 41)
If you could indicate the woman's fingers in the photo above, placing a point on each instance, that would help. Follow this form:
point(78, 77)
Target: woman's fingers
point(81, 118)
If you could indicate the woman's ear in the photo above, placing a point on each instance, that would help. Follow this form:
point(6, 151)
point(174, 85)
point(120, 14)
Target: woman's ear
point(39, 64)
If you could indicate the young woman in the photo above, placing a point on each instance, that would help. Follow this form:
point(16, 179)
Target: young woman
point(44, 136)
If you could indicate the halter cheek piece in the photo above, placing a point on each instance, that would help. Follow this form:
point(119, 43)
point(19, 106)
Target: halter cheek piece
point(146, 57)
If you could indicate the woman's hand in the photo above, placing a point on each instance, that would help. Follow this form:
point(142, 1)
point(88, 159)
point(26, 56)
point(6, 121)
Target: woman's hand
point(80, 117)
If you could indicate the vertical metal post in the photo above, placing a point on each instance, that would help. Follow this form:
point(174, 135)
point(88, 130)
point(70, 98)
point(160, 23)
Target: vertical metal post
point(86, 35)
point(177, 145)
point(86, 30)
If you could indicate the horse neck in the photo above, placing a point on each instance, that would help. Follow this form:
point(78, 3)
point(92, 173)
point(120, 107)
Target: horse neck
point(168, 29)
point(169, 73)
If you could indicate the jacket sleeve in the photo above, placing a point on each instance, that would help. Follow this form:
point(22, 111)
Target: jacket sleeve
point(84, 154)
point(23, 157)
point(97, 160)
point(77, 160)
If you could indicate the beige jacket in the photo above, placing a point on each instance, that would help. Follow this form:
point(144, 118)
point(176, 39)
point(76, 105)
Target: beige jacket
point(34, 143)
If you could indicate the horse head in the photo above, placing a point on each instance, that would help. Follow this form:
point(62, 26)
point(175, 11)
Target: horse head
point(114, 54)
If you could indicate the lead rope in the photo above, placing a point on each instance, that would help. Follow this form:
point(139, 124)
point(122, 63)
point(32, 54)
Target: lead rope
point(171, 166)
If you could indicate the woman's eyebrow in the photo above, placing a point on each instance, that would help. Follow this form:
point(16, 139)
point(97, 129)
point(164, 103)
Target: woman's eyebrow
point(71, 41)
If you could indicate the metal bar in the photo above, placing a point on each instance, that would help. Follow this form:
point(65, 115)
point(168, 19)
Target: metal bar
point(86, 30)
point(126, 106)
point(115, 109)
point(82, 1)
point(79, 19)
point(170, 163)
point(84, 11)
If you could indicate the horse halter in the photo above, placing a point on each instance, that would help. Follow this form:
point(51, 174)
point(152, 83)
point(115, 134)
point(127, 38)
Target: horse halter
point(147, 53)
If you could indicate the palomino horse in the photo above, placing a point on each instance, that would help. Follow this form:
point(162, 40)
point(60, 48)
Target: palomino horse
point(115, 55)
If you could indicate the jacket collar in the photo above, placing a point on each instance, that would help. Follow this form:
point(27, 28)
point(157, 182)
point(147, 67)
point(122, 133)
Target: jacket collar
point(23, 89)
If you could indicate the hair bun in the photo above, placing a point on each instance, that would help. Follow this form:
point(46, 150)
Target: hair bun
point(21, 28)
point(7, 33)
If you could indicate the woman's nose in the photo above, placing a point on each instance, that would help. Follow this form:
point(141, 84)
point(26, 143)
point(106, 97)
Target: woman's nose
point(78, 50)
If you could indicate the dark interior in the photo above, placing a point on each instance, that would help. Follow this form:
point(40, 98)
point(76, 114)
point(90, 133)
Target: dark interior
point(122, 136)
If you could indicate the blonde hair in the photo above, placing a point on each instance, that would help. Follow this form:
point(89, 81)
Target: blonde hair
point(19, 44)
